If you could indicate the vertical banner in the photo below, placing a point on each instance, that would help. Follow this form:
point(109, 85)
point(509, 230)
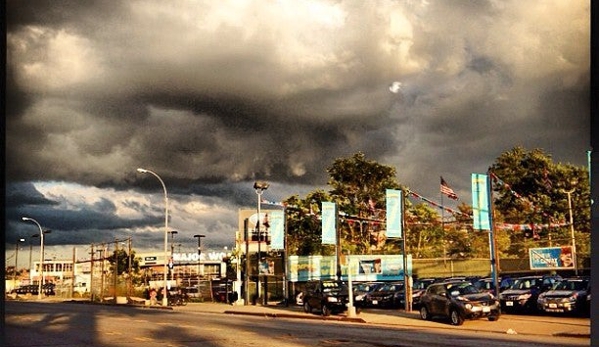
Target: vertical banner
point(277, 229)
point(394, 213)
point(480, 202)
point(329, 223)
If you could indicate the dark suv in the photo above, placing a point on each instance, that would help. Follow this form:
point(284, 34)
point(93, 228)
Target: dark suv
point(567, 295)
point(522, 295)
point(328, 296)
point(458, 301)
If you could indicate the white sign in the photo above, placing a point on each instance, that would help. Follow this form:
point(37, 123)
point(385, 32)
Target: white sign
point(194, 257)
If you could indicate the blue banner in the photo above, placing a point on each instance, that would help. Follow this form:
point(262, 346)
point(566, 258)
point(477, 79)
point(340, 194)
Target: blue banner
point(277, 230)
point(394, 213)
point(480, 202)
point(329, 223)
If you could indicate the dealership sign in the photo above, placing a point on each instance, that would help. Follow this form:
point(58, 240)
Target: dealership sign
point(182, 257)
point(551, 258)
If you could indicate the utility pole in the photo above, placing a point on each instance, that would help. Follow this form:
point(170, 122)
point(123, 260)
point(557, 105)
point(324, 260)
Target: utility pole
point(116, 266)
point(73, 278)
point(129, 284)
point(91, 276)
point(102, 269)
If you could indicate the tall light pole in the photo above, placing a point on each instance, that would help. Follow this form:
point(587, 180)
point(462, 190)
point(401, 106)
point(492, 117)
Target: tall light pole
point(573, 239)
point(42, 232)
point(165, 294)
point(260, 187)
point(199, 237)
point(172, 260)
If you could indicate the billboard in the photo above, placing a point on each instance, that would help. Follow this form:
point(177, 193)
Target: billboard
point(551, 258)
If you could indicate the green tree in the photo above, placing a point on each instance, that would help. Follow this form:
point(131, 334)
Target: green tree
point(529, 188)
point(303, 224)
point(358, 187)
point(121, 259)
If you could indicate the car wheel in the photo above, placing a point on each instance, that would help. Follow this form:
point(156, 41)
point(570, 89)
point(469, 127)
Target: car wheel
point(493, 318)
point(456, 318)
point(424, 314)
point(326, 311)
point(358, 310)
point(307, 307)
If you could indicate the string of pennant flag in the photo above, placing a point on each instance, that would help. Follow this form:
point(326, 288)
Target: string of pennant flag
point(505, 226)
point(526, 201)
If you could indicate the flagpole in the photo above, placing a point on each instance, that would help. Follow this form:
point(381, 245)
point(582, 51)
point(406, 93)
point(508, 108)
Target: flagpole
point(443, 231)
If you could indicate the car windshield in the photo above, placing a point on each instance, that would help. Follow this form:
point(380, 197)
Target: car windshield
point(365, 287)
point(571, 285)
point(422, 284)
point(524, 283)
point(390, 287)
point(461, 289)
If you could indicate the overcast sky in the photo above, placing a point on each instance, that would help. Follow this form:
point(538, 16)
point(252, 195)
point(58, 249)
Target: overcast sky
point(212, 95)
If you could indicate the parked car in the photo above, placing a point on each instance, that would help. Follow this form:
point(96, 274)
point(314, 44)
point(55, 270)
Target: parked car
point(522, 295)
point(193, 292)
point(458, 301)
point(389, 295)
point(33, 289)
point(361, 289)
point(418, 288)
point(328, 296)
point(487, 284)
point(566, 296)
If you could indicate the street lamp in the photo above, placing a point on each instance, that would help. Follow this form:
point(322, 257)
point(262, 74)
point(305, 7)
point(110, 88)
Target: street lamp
point(42, 232)
point(260, 187)
point(574, 260)
point(165, 294)
point(199, 237)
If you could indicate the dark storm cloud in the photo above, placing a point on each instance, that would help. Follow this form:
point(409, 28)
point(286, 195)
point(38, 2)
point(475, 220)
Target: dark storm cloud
point(213, 95)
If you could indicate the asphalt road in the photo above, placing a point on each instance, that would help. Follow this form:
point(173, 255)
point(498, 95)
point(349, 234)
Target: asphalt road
point(69, 324)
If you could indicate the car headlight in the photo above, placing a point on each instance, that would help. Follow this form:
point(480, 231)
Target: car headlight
point(332, 299)
point(468, 306)
point(524, 296)
point(359, 297)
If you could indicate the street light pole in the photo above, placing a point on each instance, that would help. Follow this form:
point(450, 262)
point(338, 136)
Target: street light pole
point(260, 187)
point(172, 260)
point(165, 294)
point(42, 232)
point(573, 239)
point(199, 237)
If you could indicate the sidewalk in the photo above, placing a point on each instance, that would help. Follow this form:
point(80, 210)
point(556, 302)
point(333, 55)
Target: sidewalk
point(512, 324)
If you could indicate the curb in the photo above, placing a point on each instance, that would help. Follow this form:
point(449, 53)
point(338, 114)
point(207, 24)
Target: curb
point(297, 316)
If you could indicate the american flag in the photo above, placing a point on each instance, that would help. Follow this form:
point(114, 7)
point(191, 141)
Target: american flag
point(445, 189)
